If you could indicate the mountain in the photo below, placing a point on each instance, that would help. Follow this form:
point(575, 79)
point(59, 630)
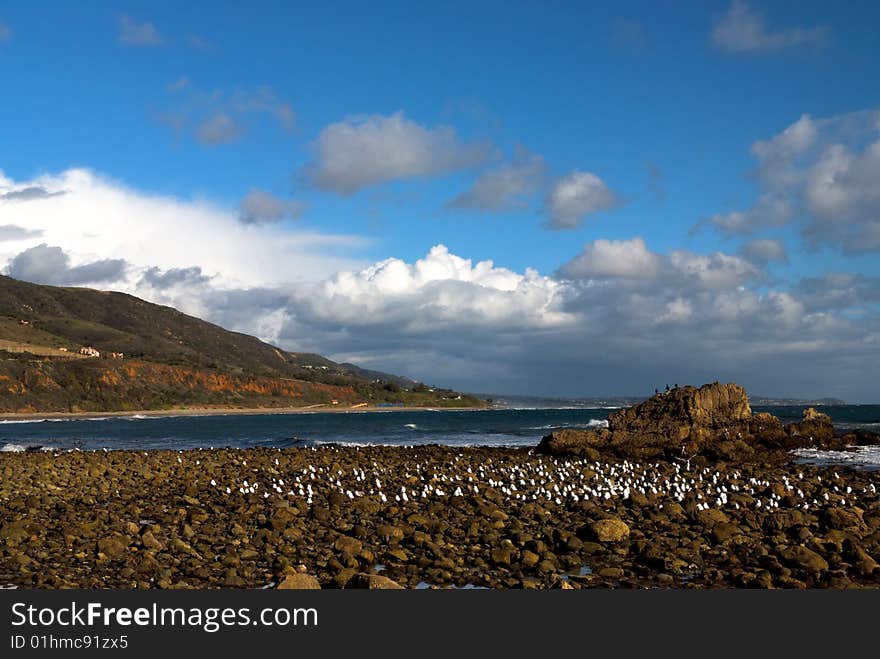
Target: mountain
point(168, 359)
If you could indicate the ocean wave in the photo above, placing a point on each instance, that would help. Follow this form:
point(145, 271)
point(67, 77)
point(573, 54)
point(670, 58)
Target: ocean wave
point(55, 419)
point(592, 423)
point(13, 448)
point(865, 457)
point(411, 426)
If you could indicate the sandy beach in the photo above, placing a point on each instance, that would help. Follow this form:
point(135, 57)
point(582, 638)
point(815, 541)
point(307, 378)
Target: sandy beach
point(221, 411)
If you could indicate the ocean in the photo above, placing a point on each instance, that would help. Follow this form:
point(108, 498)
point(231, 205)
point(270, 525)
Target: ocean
point(500, 427)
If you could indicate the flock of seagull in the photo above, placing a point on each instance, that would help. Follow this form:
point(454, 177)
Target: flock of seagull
point(545, 480)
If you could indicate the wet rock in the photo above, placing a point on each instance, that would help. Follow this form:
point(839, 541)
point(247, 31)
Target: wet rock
point(373, 582)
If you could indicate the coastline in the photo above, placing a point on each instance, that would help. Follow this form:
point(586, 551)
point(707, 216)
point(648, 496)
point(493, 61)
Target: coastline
point(231, 411)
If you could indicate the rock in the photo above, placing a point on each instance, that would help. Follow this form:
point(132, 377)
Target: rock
point(683, 421)
point(724, 531)
point(390, 533)
point(501, 556)
point(373, 582)
point(150, 541)
point(804, 558)
point(816, 427)
point(578, 443)
point(348, 545)
point(530, 558)
point(299, 581)
point(609, 530)
point(113, 546)
point(611, 573)
point(709, 518)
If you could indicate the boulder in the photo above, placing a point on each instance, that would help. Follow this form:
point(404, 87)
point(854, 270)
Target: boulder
point(609, 530)
point(572, 441)
point(680, 422)
point(815, 427)
point(113, 546)
point(803, 558)
point(714, 420)
point(373, 582)
point(299, 581)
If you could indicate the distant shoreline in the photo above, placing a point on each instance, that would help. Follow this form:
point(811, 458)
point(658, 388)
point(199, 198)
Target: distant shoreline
point(230, 411)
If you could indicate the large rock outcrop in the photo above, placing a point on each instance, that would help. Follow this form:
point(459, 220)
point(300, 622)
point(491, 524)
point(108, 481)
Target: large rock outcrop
point(714, 420)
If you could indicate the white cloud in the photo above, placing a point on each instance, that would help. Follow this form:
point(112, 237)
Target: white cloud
point(631, 260)
point(364, 151)
point(625, 259)
point(575, 196)
point(439, 290)
point(504, 188)
point(98, 218)
point(821, 174)
point(260, 207)
point(743, 30)
point(138, 33)
point(626, 328)
point(768, 211)
point(624, 319)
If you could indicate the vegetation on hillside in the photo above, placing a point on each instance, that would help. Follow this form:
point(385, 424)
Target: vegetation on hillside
point(170, 360)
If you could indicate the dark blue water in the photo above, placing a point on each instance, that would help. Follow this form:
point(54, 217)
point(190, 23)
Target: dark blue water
point(511, 427)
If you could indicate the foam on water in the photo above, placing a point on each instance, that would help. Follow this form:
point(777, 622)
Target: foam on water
point(863, 457)
point(592, 423)
point(12, 448)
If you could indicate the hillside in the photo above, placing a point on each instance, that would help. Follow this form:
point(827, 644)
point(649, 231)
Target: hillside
point(168, 360)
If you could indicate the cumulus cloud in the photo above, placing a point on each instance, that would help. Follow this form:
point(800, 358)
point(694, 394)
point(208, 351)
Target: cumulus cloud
point(504, 188)
point(764, 251)
point(259, 207)
point(631, 260)
point(626, 259)
point(138, 33)
point(51, 265)
point(619, 318)
point(364, 151)
point(618, 328)
point(820, 174)
point(744, 30)
point(575, 196)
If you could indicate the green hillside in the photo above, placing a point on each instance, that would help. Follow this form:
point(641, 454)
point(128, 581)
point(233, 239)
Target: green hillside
point(38, 322)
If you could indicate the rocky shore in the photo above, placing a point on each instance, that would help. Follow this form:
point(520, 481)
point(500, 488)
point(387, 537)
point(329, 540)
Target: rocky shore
point(686, 490)
point(436, 516)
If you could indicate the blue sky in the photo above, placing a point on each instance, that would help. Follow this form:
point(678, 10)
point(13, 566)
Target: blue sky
point(647, 112)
